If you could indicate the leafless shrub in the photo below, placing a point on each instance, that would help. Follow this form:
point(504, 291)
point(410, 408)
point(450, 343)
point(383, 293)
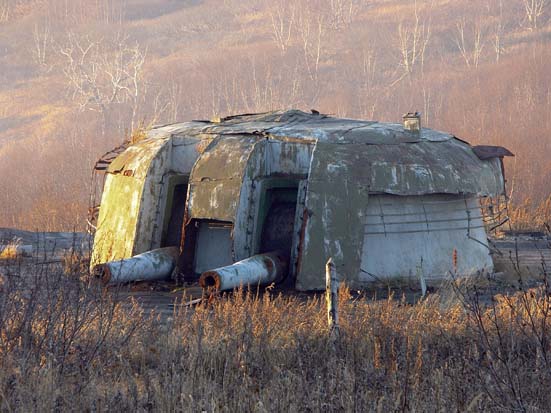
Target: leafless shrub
point(54, 328)
point(342, 12)
point(530, 215)
point(9, 251)
point(100, 73)
point(139, 134)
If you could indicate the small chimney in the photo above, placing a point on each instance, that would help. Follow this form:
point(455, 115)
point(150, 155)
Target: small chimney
point(412, 121)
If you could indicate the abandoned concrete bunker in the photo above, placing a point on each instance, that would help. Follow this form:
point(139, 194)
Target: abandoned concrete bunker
point(271, 196)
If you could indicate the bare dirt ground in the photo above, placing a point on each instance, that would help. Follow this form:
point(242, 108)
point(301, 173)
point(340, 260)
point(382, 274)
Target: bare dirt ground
point(517, 259)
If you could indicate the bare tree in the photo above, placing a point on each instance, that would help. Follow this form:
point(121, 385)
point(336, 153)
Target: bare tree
point(413, 39)
point(282, 16)
point(175, 92)
point(534, 9)
point(100, 73)
point(341, 13)
point(497, 34)
point(368, 93)
point(311, 28)
point(274, 86)
point(470, 43)
point(4, 10)
point(433, 101)
point(160, 104)
point(42, 46)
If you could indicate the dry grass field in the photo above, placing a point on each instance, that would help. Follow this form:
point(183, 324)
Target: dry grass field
point(67, 344)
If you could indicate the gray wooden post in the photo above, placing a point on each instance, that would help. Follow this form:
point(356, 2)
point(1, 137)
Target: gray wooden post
point(421, 276)
point(331, 294)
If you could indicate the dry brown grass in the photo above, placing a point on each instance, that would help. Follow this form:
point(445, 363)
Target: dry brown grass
point(8, 252)
point(139, 133)
point(12, 250)
point(530, 217)
point(64, 346)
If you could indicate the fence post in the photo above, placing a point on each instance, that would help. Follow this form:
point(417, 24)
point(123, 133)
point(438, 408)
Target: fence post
point(331, 295)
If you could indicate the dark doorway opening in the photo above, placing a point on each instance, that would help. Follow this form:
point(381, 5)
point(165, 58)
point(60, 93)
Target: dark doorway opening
point(277, 230)
point(174, 213)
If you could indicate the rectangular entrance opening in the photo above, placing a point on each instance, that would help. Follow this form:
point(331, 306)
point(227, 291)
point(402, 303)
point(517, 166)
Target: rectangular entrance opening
point(277, 215)
point(207, 244)
point(174, 211)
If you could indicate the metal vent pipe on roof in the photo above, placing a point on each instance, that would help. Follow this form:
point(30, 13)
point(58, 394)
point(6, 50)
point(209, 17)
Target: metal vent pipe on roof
point(412, 121)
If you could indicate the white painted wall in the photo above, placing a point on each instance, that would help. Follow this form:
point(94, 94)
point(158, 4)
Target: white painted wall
point(403, 233)
point(213, 247)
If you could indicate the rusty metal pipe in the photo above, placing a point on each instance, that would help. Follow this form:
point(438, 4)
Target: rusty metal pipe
point(259, 269)
point(152, 265)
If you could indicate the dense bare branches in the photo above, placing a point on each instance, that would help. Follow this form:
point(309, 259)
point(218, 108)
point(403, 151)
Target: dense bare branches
point(100, 73)
point(534, 10)
point(413, 39)
point(42, 49)
point(66, 346)
point(4, 10)
point(497, 34)
point(344, 57)
point(250, 85)
point(282, 16)
point(369, 92)
point(470, 42)
point(312, 29)
point(341, 13)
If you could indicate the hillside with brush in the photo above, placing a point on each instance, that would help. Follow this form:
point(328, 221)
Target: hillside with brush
point(78, 77)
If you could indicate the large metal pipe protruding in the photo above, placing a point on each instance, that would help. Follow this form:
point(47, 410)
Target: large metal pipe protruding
point(259, 269)
point(152, 265)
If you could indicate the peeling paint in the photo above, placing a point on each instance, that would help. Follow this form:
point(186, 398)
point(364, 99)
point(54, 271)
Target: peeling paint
point(345, 164)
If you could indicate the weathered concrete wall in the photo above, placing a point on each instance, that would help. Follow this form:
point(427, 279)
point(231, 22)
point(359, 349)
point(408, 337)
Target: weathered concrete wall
point(118, 217)
point(175, 158)
point(270, 159)
point(216, 178)
point(233, 162)
point(341, 203)
point(152, 203)
point(401, 237)
point(133, 202)
point(405, 235)
point(336, 200)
